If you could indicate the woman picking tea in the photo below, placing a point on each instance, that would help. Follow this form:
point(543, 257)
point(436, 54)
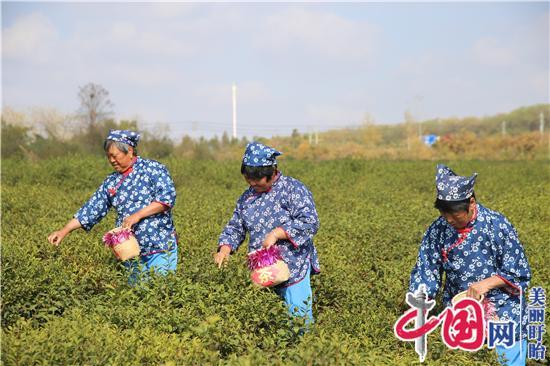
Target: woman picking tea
point(479, 251)
point(143, 194)
point(276, 210)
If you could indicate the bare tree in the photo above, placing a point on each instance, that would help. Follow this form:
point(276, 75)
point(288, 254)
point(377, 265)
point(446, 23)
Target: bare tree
point(95, 104)
point(50, 123)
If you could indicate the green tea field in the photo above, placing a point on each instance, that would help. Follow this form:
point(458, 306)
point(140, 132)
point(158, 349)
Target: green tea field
point(71, 305)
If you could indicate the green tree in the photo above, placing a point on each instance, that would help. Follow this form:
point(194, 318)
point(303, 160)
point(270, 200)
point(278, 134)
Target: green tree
point(15, 140)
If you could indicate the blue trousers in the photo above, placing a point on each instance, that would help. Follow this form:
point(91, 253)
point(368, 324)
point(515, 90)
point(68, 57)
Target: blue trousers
point(513, 356)
point(160, 263)
point(299, 299)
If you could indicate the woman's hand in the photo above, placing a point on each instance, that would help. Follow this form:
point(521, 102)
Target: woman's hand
point(272, 237)
point(130, 221)
point(222, 256)
point(57, 237)
point(479, 289)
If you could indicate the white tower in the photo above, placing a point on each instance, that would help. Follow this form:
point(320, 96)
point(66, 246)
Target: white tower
point(234, 111)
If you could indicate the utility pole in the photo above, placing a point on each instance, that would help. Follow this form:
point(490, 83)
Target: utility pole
point(234, 89)
point(541, 130)
point(503, 128)
point(417, 109)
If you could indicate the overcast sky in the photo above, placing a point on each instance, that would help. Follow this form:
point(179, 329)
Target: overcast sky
point(296, 65)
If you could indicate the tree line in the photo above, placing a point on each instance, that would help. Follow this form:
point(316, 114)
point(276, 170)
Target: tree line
point(46, 133)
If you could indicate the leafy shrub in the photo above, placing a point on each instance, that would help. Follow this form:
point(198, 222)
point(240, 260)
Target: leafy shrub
point(72, 305)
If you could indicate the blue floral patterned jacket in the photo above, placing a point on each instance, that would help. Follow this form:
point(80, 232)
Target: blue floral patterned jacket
point(145, 182)
point(288, 205)
point(491, 248)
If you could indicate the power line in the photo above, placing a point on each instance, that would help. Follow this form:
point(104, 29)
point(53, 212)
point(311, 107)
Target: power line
point(278, 124)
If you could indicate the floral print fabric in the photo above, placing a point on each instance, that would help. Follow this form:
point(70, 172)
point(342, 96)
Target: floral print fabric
point(257, 154)
point(125, 136)
point(452, 187)
point(149, 181)
point(288, 205)
point(491, 248)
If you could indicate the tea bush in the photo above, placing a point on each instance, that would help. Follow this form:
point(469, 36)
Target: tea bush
point(71, 304)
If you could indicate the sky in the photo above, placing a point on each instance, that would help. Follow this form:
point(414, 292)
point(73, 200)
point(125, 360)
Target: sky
point(305, 66)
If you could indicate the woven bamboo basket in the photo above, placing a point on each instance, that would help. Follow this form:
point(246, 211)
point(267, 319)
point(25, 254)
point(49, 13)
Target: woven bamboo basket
point(122, 242)
point(462, 295)
point(489, 309)
point(267, 267)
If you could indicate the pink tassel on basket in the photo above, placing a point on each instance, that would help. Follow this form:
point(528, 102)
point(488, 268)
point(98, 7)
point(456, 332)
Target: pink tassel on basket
point(263, 257)
point(114, 238)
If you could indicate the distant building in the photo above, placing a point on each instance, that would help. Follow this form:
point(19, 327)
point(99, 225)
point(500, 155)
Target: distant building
point(429, 140)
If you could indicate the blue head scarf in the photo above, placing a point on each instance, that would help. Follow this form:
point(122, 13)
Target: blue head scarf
point(452, 187)
point(257, 154)
point(127, 137)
